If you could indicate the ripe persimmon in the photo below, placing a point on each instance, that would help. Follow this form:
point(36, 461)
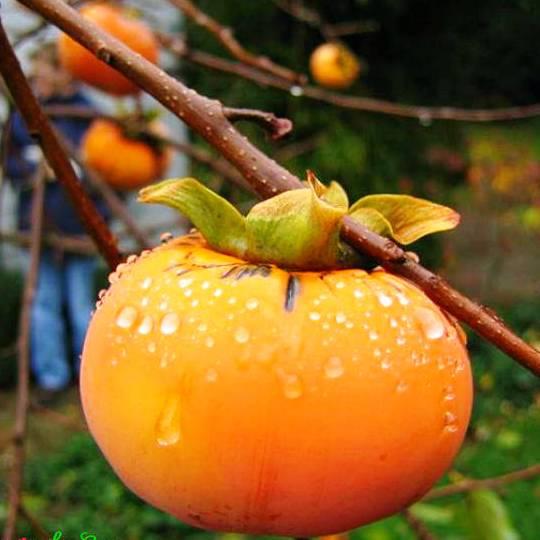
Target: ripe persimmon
point(242, 396)
point(123, 162)
point(334, 65)
point(85, 66)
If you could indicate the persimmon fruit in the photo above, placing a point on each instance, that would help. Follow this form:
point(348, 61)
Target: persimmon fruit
point(124, 162)
point(250, 398)
point(334, 65)
point(115, 20)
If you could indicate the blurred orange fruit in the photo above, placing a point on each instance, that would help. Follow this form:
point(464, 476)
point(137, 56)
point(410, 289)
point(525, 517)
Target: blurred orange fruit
point(334, 65)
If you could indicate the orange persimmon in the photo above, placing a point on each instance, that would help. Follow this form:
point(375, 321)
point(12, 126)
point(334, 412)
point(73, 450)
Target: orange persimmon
point(244, 397)
point(85, 66)
point(123, 162)
point(334, 65)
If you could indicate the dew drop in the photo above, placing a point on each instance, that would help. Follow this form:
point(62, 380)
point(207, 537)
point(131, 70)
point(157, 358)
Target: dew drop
point(185, 282)
point(393, 323)
point(384, 299)
point(144, 301)
point(126, 317)
point(373, 335)
point(168, 424)
point(241, 335)
point(385, 363)
point(431, 323)
point(291, 386)
point(188, 293)
point(401, 340)
point(333, 368)
point(151, 347)
point(169, 323)
point(218, 292)
point(205, 285)
point(209, 342)
point(296, 90)
point(358, 293)
point(314, 316)
point(377, 352)
point(146, 325)
point(401, 387)
point(341, 317)
point(203, 327)
point(340, 285)
point(252, 304)
point(211, 375)
point(146, 283)
point(194, 303)
point(231, 300)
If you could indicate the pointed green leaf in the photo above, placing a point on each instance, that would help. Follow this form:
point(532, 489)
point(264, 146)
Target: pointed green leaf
point(373, 220)
point(333, 194)
point(296, 229)
point(410, 218)
point(220, 223)
point(488, 517)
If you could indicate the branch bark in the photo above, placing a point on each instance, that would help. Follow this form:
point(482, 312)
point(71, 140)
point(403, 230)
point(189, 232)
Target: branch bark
point(471, 484)
point(226, 38)
point(417, 526)
point(23, 365)
point(40, 128)
point(268, 178)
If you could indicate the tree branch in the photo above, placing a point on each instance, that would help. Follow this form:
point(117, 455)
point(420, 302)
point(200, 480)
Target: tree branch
point(40, 128)
point(268, 178)
point(226, 38)
point(276, 127)
point(417, 526)
point(23, 365)
point(421, 113)
point(472, 484)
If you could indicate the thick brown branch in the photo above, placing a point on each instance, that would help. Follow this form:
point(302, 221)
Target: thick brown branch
point(41, 129)
point(23, 365)
point(226, 38)
point(276, 127)
point(268, 178)
point(421, 113)
point(486, 483)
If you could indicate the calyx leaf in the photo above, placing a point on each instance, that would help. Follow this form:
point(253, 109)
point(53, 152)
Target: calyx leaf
point(409, 218)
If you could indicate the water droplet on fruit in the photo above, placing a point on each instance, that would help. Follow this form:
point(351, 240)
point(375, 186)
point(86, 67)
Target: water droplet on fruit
point(393, 323)
point(241, 335)
point(188, 293)
point(126, 317)
point(403, 300)
point(341, 317)
point(151, 347)
point(146, 283)
point(146, 325)
point(431, 323)
point(165, 237)
point(333, 368)
point(450, 422)
point(340, 285)
point(252, 304)
point(163, 306)
point(314, 316)
point(231, 300)
point(169, 323)
point(401, 387)
point(205, 285)
point(211, 375)
point(401, 340)
point(203, 327)
point(185, 282)
point(384, 299)
point(168, 424)
point(358, 293)
point(218, 292)
point(209, 342)
point(373, 335)
point(291, 386)
point(385, 363)
point(194, 303)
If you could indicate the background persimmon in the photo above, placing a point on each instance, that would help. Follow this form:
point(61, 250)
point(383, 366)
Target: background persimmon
point(123, 162)
point(85, 66)
point(241, 397)
point(334, 65)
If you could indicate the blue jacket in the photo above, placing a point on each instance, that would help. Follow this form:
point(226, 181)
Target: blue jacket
point(22, 158)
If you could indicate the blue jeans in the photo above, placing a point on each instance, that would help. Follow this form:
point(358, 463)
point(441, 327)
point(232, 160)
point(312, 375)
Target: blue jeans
point(67, 282)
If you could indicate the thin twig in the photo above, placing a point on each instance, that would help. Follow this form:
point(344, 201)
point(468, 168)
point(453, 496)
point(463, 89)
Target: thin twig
point(494, 482)
point(276, 127)
point(23, 365)
point(37, 527)
point(417, 526)
point(226, 38)
point(421, 113)
point(268, 178)
point(40, 128)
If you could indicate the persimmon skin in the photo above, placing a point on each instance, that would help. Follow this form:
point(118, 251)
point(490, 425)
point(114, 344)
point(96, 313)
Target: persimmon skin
point(122, 162)
point(84, 66)
point(334, 66)
point(245, 398)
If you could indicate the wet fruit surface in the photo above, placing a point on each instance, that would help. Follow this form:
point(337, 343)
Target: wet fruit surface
point(242, 397)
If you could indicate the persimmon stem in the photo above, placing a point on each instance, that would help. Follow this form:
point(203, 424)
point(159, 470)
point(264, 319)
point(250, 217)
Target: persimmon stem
point(268, 178)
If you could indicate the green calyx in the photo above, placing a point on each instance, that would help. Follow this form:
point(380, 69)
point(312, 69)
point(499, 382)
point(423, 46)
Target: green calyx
point(299, 229)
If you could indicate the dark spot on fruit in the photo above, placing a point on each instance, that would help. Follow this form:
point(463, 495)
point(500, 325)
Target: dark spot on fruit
point(291, 292)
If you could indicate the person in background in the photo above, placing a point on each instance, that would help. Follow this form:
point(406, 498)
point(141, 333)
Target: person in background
point(64, 296)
